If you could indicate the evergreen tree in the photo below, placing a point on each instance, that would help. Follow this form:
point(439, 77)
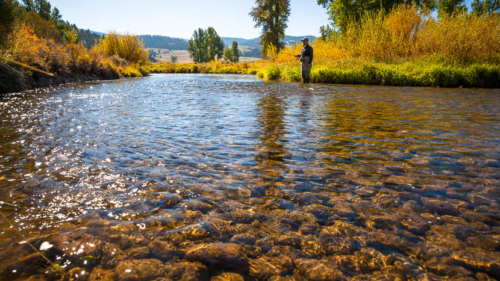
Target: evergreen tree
point(205, 45)
point(8, 10)
point(447, 7)
point(272, 17)
point(343, 12)
point(43, 8)
point(235, 52)
point(481, 7)
point(56, 15)
point(29, 5)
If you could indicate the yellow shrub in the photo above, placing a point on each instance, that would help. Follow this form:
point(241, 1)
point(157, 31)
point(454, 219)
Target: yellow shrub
point(127, 46)
point(407, 33)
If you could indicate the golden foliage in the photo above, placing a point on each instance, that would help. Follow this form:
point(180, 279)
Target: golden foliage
point(43, 28)
point(127, 47)
point(407, 33)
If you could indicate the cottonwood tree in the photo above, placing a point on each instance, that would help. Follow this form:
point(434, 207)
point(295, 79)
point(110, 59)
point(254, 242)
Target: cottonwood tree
point(448, 7)
point(228, 54)
point(8, 10)
point(481, 7)
point(272, 17)
point(236, 52)
point(232, 54)
point(205, 45)
point(344, 12)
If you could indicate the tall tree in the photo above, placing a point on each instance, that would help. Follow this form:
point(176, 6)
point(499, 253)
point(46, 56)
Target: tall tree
point(343, 12)
point(448, 7)
point(228, 54)
point(205, 45)
point(232, 54)
point(196, 48)
point(214, 44)
point(272, 17)
point(481, 7)
point(29, 5)
point(235, 51)
point(56, 15)
point(43, 8)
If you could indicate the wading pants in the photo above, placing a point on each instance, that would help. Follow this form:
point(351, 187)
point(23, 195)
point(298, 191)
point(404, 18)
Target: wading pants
point(306, 69)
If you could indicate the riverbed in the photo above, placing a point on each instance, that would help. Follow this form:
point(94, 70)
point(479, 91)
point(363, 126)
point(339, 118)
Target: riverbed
point(195, 177)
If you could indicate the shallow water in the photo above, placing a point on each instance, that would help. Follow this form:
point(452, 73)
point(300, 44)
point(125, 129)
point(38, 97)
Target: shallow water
point(182, 176)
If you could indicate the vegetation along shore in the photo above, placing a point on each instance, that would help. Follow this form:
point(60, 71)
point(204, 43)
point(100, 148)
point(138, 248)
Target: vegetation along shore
point(401, 45)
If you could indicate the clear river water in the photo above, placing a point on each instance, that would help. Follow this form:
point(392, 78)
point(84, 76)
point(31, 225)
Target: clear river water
point(225, 177)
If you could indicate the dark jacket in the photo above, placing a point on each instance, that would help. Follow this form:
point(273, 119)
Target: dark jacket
point(307, 51)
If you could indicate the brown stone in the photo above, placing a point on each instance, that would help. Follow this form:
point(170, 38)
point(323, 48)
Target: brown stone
point(318, 270)
point(243, 239)
point(99, 274)
point(186, 271)
point(171, 199)
point(228, 276)
point(139, 253)
point(217, 256)
point(139, 270)
point(263, 269)
point(164, 251)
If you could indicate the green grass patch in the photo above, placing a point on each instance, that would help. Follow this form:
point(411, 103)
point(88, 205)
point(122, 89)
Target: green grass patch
point(395, 74)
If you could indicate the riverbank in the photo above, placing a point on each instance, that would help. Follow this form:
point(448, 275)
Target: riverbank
point(16, 81)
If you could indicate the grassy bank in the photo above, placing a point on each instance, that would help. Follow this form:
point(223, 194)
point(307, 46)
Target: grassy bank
point(45, 43)
point(396, 74)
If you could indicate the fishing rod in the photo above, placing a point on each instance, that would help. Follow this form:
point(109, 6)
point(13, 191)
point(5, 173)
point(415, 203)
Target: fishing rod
point(56, 267)
point(291, 54)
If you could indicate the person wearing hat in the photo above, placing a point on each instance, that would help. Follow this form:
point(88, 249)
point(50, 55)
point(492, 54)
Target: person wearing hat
point(306, 57)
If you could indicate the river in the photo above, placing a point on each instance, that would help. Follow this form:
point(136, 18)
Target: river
point(224, 176)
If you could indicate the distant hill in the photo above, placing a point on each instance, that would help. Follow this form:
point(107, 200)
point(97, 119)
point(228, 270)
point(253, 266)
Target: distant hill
point(254, 43)
point(164, 42)
point(252, 47)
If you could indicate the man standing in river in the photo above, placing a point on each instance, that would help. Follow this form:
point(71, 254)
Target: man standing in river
point(306, 57)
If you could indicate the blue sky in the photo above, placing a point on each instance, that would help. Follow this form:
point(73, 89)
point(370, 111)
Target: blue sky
point(179, 18)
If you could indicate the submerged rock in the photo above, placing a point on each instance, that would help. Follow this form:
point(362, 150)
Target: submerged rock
point(228, 276)
point(222, 256)
point(186, 271)
point(139, 270)
point(164, 251)
point(102, 275)
point(243, 239)
point(318, 270)
point(265, 268)
point(139, 253)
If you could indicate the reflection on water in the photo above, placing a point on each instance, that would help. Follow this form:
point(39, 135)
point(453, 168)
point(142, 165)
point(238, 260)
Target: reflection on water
point(191, 177)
